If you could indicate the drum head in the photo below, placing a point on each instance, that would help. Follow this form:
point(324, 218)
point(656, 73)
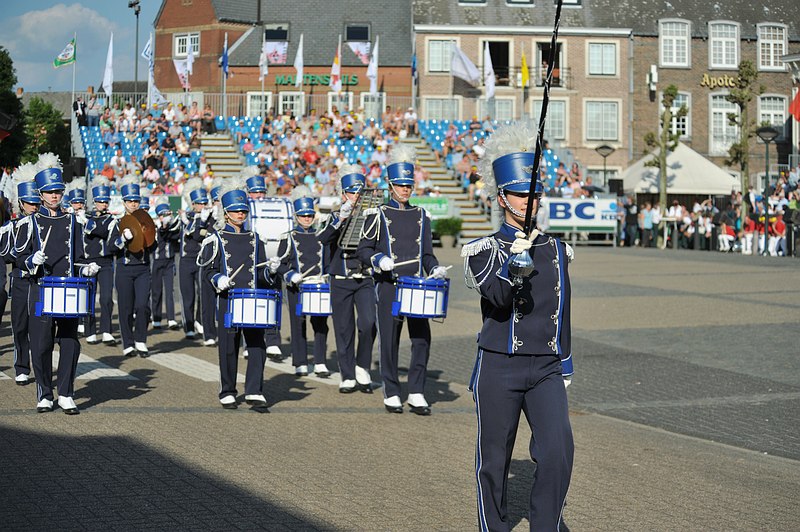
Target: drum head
point(129, 221)
point(148, 227)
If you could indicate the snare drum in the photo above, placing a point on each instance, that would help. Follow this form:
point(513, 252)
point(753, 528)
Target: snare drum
point(418, 297)
point(314, 299)
point(65, 297)
point(256, 308)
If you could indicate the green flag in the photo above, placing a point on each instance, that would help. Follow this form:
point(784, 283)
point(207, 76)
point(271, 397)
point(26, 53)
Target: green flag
point(66, 56)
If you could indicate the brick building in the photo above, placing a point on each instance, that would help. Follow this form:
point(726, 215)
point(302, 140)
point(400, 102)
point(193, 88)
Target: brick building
point(203, 24)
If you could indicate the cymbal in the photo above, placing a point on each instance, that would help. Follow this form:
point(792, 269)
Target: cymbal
point(148, 227)
point(129, 221)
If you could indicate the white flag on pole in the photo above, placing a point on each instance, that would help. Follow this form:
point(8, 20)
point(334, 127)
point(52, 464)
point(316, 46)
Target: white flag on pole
point(361, 49)
point(108, 75)
point(488, 72)
point(190, 58)
point(298, 64)
point(147, 52)
point(277, 52)
point(183, 75)
point(336, 69)
point(263, 62)
point(462, 67)
point(372, 69)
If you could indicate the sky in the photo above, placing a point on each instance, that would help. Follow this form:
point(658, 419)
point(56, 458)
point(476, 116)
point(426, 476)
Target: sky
point(35, 31)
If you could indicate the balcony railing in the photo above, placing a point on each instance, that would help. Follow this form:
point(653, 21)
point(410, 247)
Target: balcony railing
point(512, 77)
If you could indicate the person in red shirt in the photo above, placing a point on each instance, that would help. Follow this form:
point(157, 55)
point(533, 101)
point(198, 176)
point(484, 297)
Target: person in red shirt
point(748, 231)
point(777, 235)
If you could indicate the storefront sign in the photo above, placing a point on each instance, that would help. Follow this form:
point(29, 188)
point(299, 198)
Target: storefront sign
point(581, 214)
point(315, 79)
point(716, 82)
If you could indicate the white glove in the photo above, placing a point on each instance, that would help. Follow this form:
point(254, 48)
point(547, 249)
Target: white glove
point(184, 218)
point(127, 234)
point(521, 243)
point(204, 214)
point(439, 272)
point(570, 252)
point(90, 270)
point(386, 264)
point(81, 217)
point(295, 278)
point(166, 219)
point(273, 264)
point(346, 210)
point(223, 283)
point(157, 221)
point(39, 258)
point(567, 381)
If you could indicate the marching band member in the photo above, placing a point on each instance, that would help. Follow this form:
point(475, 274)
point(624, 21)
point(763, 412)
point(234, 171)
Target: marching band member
point(352, 289)
point(100, 250)
point(524, 358)
point(27, 202)
point(197, 225)
point(50, 243)
point(397, 241)
point(75, 200)
point(168, 235)
point(257, 191)
point(303, 256)
point(133, 278)
point(232, 257)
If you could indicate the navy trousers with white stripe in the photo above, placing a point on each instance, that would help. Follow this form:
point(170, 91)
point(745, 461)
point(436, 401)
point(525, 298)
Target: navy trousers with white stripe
point(20, 304)
point(503, 387)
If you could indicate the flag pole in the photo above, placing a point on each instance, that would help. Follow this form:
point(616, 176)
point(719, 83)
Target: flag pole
point(261, 73)
point(225, 84)
point(75, 57)
point(150, 73)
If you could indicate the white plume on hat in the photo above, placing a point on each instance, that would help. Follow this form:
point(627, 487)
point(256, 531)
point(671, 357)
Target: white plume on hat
point(23, 174)
point(75, 185)
point(249, 171)
point(216, 182)
point(129, 179)
point(513, 138)
point(159, 199)
point(192, 184)
point(49, 160)
point(402, 153)
point(347, 169)
point(300, 191)
point(231, 183)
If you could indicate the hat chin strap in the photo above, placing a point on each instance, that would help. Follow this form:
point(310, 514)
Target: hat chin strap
point(512, 210)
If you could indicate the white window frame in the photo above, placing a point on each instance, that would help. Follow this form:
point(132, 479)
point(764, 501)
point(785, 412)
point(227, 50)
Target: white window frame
point(664, 39)
point(733, 63)
point(603, 44)
point(281, 107)
point(536, 107)
point(447, 58)
point(426, 102)
point(781, 126)
point(777, 47)
point(688, 118)
point(483, 105)
point(721, 148)
point(180, 42)
point(380, 104)
point(255, 106)
point(613, 172)
point(520, 3)
point(618, 117)
point(339, 97)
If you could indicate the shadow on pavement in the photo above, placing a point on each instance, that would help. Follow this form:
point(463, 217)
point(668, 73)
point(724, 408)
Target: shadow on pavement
point(285, 387)
point(98, 391)
point(113, 482)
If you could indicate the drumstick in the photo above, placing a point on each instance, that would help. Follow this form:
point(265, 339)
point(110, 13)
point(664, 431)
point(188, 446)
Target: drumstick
point(44, 245)
point(446, 268)
point(410, 261)
point(231, 276)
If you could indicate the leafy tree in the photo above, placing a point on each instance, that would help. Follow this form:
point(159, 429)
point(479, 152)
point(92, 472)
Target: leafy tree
point(741, 95)
point(46, 131)
point(11, 147)
point(666, 141)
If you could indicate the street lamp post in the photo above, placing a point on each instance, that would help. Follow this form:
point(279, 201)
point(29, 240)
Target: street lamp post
point(604, 150)
point(767, 134)
point(134, 4)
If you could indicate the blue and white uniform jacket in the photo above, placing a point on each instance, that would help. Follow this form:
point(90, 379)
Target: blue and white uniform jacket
point(97, 236)
point(404, 234)
point(532, 318)
point(125, 256)
point(59, 236)
point(302, 252)
point(193, 234)
point(167, 240)
point(239, 256)
point(344, 264)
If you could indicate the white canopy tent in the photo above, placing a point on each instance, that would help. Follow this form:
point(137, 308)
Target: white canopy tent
point(688, 173)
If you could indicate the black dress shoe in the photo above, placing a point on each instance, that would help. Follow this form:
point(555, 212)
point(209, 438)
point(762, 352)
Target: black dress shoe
point(93, 342)
point(420, 410)
point(364, 388)
point(110, 343)
point(348, 389)
point(394, 409)
point(144, 354)
point(231, 406)
point(70, 411)
point(43, 409)
point(322, 374)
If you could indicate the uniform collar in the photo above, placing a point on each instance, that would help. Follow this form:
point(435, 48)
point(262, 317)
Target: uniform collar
point(231, 229)
point(46, 212)
point(397, 205)
point(508, 230)
point(299, 229)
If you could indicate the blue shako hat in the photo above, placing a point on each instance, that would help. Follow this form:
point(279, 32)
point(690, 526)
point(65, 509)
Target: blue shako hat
point(215, 193)
point(130, 192)
point(513, 172)
point(198, 196)
point(256, 184)
point(304, 207)
point(101, 193)
point(28, 193)
point(145, 203)
point(400, 173)
point(235, 200)
point(162, 208)
point(49, 180)
point(77, 195)
point(352, 182)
